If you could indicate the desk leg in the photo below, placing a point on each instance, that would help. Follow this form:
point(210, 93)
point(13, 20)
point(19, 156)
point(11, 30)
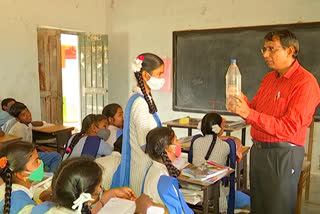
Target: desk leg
point(189, 131)
point(245, 172)
point(62, 138)
point(238, 175)
point(243, 136)
point(205, 204)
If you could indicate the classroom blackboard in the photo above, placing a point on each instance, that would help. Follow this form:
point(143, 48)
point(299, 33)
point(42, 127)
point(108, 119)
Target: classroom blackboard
point(202, 57)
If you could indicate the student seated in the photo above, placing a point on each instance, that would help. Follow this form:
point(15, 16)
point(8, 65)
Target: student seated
point(211, 146)
point(19, 167)
point(76, 188)
point(91, 139)
point(114, 114)
point(23, 128)
point(5, 106)
point(160, 181)
point(109, 165)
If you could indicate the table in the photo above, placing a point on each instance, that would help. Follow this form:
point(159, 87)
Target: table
point(211, 192)
point(60, 132)
point(241, 167)
point(231, 126)
point(9, 138)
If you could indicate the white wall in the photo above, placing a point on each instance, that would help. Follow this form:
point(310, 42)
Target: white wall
point(146, 26)
point(18, 44)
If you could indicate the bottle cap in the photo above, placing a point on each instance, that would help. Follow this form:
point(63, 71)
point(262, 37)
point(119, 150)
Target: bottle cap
point(233, 61)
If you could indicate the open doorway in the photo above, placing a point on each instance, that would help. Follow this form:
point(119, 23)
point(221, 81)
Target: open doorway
point(73, 75)
point(70, 80)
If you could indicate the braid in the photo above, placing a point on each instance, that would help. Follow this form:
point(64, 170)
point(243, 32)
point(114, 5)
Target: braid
point(213, 142)
point(8, 180)
point(85, 209)
point(152, 108)
point(153, 103)
point(173, 171)
point(73, 143)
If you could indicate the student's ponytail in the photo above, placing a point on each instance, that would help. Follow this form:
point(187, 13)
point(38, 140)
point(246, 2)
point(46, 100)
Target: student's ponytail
point(85, 209)
point(173, 171)
point(158, 139)
point(7, 178)
point(151, 104)
point(208, 121)
point(14, 157)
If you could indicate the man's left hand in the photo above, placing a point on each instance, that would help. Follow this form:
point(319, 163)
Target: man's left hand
point(239, 106)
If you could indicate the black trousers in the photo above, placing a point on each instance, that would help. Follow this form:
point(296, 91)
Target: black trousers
point(274, 178)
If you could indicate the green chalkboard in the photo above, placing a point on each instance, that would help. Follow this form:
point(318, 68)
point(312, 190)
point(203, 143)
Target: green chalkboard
point(201, 59)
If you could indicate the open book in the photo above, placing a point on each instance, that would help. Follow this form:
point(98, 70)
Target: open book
point(205, 171)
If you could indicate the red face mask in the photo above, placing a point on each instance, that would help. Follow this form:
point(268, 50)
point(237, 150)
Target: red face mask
point(178, 151)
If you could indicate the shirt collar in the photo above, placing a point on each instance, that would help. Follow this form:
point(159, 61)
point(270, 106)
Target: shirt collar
point(292, 69)
point(160, 166)
point(16, 187)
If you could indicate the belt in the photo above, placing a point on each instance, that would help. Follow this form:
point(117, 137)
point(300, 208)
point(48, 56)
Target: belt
point(269, 145)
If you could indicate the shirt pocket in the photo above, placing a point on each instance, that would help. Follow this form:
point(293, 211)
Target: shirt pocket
point(281, 106)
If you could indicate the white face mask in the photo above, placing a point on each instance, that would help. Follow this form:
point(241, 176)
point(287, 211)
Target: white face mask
point(155, 83)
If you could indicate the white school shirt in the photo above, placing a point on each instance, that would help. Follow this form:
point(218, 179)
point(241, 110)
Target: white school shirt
point(218, 155)
point(141, 122)
point(25, 210)
point(109, 164)
point(151, 182)
point(60, 210)
point(113, 134)
point(22, 130)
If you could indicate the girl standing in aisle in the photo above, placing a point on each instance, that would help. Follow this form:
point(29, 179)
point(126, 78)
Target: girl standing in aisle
point(139, 118)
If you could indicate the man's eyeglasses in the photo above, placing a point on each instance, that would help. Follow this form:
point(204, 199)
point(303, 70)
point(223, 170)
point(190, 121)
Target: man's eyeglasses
point(270, 49)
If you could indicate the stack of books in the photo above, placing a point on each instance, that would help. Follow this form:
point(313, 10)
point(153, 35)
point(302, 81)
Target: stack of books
point(206, 172)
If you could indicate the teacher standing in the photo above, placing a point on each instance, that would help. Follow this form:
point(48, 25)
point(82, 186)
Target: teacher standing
point(279, 114)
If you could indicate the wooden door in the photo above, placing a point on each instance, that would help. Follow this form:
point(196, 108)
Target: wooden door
point(93, 73)
point(50, 75)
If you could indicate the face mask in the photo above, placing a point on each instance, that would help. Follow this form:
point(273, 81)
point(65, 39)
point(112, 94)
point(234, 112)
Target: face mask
point(178, 151)
point(104, 134)
point(36, 175)
point(155, 83)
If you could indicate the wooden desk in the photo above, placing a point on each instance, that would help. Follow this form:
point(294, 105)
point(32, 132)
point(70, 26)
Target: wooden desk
point(9, 138)
point(241, 167)
point(242, 170)
point(193, 124)
point(211, 192)
point(60, 132)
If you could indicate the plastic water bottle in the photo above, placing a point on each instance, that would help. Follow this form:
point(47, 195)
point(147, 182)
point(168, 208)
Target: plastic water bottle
point(233, 81)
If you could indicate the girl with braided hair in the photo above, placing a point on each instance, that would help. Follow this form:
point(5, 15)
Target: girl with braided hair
point(160, 179)
point(91, 140)
point(139, 118)
point(212, 146)
point(76, 188)
point(19, 167)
